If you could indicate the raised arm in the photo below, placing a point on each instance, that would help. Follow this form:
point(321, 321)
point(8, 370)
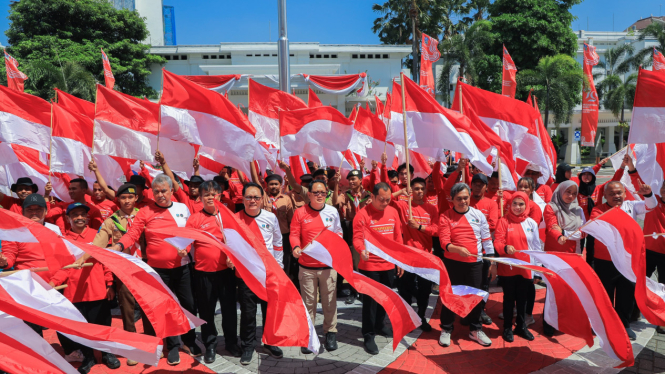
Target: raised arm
point(110, 194)
point(159, 157)
point(292, 180)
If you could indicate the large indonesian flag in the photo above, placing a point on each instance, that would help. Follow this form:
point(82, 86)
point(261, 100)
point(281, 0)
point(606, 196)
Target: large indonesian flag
point(193, 114)
point(369, 138)
point(429, 54)
point(339, 85)
point(25, 120)
point(651, 163)
point(71, 141)
point(515, 121)
point(590, 102)
point(312, 131)
point(658, 60)
point(312, 100)
point(217, 83)
point(74, 104)
point(15, 78)
point(647, 125)
point(509, 72)
point(128, 127)
point(109, 79)
point(265, 103)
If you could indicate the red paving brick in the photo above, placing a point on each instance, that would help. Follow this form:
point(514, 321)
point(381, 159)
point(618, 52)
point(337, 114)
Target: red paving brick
point(467, 356)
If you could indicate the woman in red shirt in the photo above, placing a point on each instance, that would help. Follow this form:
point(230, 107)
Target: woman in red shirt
point(516, 232)
point(563, 216)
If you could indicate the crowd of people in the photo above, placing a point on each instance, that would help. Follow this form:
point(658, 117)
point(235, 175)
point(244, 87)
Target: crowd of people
point(460, 216)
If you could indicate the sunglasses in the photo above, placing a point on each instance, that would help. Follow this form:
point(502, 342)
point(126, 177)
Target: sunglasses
point(319, 193)
point(250, 198)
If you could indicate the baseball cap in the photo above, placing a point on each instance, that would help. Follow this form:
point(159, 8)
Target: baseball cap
point(138, 181)
point(479, 178)
point(34, 199)
point(75, 206)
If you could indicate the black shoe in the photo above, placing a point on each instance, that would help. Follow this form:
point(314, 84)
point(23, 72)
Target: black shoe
point(331, 341)
point(350, 300)
point(660, 330)
point(548, 330)
point(370, 346)
point(234, 350)
point(426, 327)
point(274, 352)
point(344, 293)
point(524, 333)
point(173, 357)
point(210, 355)
point(485, 319)
point(87, 364)
point(247, 356)
point(137, 315)
point(305, 351)
point(631, 333)
point(508, 335)
point(195, 351)
point(386, 331)
point(110, 360)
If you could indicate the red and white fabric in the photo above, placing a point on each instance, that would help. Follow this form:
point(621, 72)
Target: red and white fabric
point(24, 351)
point(650, 163)
point(109, 80)
point(128, 127)
point(287, 320)
point(624, 239)
point(71, 141)
point(429, 54)
point(266, 225)
point(217, 83)
point(25, 120)
point(15, 78)
point(307, 132)
point(509, 82)
point(312, 100)
point(340, 84)
point(369, 137)
point(265, 103)
point(658, 60)
point(545, 140)
point(459, 299)
point(379, 107)
point(208, 167)
point(514, 121)
point(590, 103)
point(647, 125)
point(75, 104)
point(331, 250)
point(617, 160)
point(193, 114)
point(298, 166)
point(606, 324)
point(25, 295)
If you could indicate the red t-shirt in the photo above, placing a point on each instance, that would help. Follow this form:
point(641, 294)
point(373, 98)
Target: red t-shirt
point(12, 204)
point(469, 230)
point(235, 187)
point(106, 208)
point(489, 209)
point(522, 236)
point(206, 257)
point(306, 224)
point(192, 205)
point(386, 222)
point(424, 214)
point(57, 213)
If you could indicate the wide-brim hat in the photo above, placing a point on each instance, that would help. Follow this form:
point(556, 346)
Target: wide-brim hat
point(194, 179)
point(24, 181)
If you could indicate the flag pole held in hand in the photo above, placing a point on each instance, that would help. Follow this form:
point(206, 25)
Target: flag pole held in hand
point(406, 143)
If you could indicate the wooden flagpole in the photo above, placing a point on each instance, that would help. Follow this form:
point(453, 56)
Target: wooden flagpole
point(461, 110)
point(617, 152)
point(50, 146)
point(406, 142)
point(500, 185)
point(39, 270)
point(509, 264)
point(588, 222)
point(60, 287)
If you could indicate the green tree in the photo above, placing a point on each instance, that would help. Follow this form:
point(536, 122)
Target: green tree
point(557, 80)
point(469, 48)
point(644, 57)
point(444, 79)
point(55, 31)
point(71, 77)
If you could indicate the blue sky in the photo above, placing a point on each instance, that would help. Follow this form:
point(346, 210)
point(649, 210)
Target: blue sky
point(340, 21)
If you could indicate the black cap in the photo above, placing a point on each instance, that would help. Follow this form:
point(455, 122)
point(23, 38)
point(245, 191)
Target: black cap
point(25, 181)
point(34, 199)
point(194, 179)
point(77, 205)
point(479, 178)
point(319, 172)
point(306, 178)
point(495, 174)
point(126, 188)
point(274, 177)
point(354, 173)
point(138, 181)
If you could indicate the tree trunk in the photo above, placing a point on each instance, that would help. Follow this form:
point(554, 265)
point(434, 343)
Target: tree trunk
point(547, 108)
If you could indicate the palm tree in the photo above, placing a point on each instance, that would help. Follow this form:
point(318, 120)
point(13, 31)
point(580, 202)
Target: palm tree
point(619, 98)
point(444, 79)
point(559, 80)
point(70, 77)
point(644, 57)
point(465, 49)
point(612, 89)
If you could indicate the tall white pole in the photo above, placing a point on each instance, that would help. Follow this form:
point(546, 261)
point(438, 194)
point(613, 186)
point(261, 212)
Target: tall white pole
point(283, 49)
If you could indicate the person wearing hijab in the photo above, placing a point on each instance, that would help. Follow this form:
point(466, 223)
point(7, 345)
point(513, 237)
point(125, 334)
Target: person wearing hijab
point(563, 173)
point(516, 232)
point(564, 216)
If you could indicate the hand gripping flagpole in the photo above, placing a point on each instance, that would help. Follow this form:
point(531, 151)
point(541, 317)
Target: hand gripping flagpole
point(406, 143)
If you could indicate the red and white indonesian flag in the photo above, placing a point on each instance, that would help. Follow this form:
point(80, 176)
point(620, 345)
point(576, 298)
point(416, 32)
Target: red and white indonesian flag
point(193, 114)
point(509, 72)
point(26, 296)
point(74, 104)
point(650, 164)
point(265, 103)
point(624, 240)
point(311, 131)
point(545, 140)
point(330, 249)
point(128, 127)
point(71, 141)
point(24, 351)
point(617, 160)
point(379, 107)
point(287, 320)
point(429, 54)
point(298, 166)
point(459, 299)
point(160, 305)
point(109, 80)
point(15, 78)
point(647, 125)
point(218, 83)
point(590, 103)
point(658, 60)
point(25, 120)
point(369, 137)
point(436, 128)
point(312, 100)
point(420, 162)
point(600, 313)
point(340, 84)
point(515, 121)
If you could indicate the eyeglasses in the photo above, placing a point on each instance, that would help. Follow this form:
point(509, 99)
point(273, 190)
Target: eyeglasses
point(319, 193)
point(250, 198)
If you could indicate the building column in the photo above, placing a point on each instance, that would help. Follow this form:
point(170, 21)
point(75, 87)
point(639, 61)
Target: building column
point(573, 149)
point(341, 104)
point(609, 140)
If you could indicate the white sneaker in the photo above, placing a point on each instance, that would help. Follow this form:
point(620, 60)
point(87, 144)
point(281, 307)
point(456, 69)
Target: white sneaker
point(444, 339)
point(529, 320)
point(75, 356)
point(480, 337)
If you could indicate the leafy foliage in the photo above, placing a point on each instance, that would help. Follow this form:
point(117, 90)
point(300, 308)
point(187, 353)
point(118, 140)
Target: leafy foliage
point(644, 57)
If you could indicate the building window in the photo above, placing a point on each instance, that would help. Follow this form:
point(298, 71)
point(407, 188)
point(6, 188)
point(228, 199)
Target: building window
point(377, 56)
point(333, 56)
point(370, 56)
point(249, 55)
point(167, 57)
point(362, 56)
point(183, 57)
point(292, 55)
point(257, 55)
point(266, 55)
point(205, 57)
point(214, 57)
point(326, 56)
point(275, 55)
point(311, 56)
point(222, 56)
point(176, 58)
point(318, 56)
point(354, 56)
point(385, 56)
point(228, 57)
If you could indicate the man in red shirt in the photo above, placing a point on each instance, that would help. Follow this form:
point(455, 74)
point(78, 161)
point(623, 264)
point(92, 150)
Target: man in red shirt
point(382, 218)
point(191, 198)
point(237, 181)
point(402, 175)
point(142, 189)
point(90, 289)
point(106, 207)
point(214, 280)
point(78, 189)
point(22, 188)
point(544, 191)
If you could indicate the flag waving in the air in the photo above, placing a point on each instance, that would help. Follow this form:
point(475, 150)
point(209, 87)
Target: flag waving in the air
point(109, 80)
point(15, 77)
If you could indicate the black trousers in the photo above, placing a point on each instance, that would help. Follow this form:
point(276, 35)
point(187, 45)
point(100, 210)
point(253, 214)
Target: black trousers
point(515, 293)
point(248, 301)
point(212, 287)
point(655, 261)
point(613, 281)
point(290, 263)
point(373, 314)
point(466, 274)
point(530, 298)
point(436, 247)
point(179, 281)
point(347, 234)
point(414, 285)
point(589, 242)
point(97, 312)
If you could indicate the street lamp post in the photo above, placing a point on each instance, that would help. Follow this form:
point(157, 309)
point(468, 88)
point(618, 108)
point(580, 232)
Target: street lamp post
point(283, 49)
